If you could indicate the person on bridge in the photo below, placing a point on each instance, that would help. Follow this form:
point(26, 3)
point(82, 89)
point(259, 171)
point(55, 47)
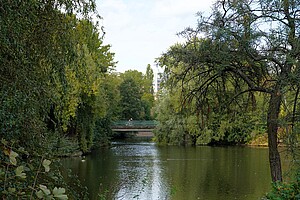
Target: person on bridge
point(129, 122)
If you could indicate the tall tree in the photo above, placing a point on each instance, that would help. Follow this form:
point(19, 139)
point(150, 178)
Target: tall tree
point(130, 102)
point(254, 45)
point(148, 94)
point(149, 77)
point(80, 86)
point(144, 83)
point(34, 40)
point(49, 59)
point(53, 64)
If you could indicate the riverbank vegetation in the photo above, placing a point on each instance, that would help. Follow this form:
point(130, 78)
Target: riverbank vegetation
point(58, 93)
point(234, 78)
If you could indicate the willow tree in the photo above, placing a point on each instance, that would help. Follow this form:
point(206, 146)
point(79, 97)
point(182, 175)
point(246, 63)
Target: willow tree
point(35, 43)
point(80, 96)
point(254, 44)
point(36, 47)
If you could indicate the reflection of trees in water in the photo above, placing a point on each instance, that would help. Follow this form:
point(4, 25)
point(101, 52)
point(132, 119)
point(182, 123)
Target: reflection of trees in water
point(97, 173)
point(218, 172)
point(146, 171)
point(143, 173)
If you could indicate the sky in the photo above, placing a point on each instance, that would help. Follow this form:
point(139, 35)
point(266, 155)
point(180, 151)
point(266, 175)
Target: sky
point(139, 31)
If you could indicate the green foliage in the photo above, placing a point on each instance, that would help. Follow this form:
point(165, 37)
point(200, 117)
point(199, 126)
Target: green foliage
point(85, 100)
point(45, 193)
point(238, 129)
point(60, 145)
point(81, 88)
point(50, 61)
point(110, 87)
point(53, 68)
point(136, 92)
point(130, 102)
point(23, 179)
point(147, 105)
point(174, 126)
point(85, 126)
point(102, 132)
point(213, 126)
point(149, 77)
point(136, 76)
point(242, 49)
point(285, 191)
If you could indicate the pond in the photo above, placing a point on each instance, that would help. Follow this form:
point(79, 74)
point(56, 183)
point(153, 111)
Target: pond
point(144, 170)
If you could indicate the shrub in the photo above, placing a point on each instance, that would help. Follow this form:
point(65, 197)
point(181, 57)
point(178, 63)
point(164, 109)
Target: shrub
point(285, 191)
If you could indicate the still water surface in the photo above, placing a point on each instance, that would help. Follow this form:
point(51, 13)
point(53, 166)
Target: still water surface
point(143, 170)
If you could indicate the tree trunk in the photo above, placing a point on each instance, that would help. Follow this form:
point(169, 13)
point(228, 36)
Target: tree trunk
point(272, 125)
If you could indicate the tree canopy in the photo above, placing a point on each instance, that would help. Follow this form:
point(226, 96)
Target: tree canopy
point(53, 69)
point(242, 47)
point(53, 65)
point(137, 98)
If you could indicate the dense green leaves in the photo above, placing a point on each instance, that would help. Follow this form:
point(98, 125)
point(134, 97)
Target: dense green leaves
point(136, 95)
point(39, 51)
point(52, 63)
point(53, 66)
point(243, 49)
point(285, 190)
point(130, 99)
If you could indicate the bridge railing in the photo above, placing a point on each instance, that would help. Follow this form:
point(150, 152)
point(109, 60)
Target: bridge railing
point(135, 123)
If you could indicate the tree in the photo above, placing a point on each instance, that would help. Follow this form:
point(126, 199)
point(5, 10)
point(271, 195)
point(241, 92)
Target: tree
point(79, 87)
point(130, 102)
point(252, 44)
point(136, 76)
point(102, 130)
point(148, 94)
point(145, 89)
point(175, 126)
point(53, 65)
point(43, 67)
point(210, 124)
point(149, 76)
point(34, 40)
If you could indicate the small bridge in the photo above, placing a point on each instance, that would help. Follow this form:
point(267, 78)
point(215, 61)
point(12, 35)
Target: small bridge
point(140, 128)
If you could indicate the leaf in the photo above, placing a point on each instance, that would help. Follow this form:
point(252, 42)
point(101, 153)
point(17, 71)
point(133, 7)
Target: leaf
point(39, 194)
point(11, 190)
point(45, 190)
point(46, 164)
point(2, 173)
point(22, 150)
point(59, 193)
point(3, 141)
point(12, 157)
point(31, 167)
point(6, 151)
point(19, 172)
point(62, 197)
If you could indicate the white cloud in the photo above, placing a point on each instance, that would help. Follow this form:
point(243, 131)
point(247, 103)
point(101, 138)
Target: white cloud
point(115, 13)
point(140, 30)
point(179, 8)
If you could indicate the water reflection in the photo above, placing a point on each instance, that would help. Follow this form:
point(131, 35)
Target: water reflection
point(218, 173)
point(141, 170)
point(147, 171)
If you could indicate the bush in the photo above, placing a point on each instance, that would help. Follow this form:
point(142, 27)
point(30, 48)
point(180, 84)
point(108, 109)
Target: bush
point(285, 191)
point(29, 175)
